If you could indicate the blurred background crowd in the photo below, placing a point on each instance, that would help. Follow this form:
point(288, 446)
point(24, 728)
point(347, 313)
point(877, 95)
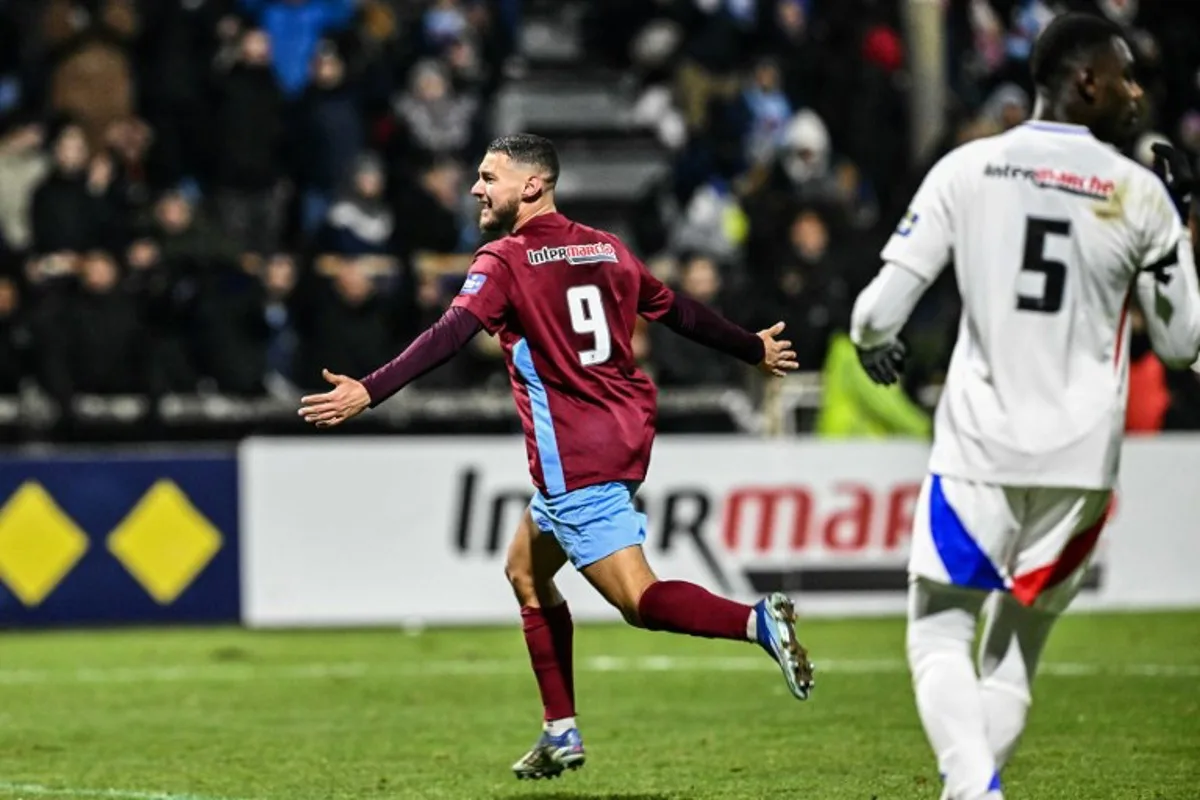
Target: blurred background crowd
point(221, 197)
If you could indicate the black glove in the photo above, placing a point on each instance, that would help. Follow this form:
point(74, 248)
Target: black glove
point(883, 364)
point(1172, 167)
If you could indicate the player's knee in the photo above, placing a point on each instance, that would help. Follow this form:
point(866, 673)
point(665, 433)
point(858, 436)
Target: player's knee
point(520, 577)
point(629, 603)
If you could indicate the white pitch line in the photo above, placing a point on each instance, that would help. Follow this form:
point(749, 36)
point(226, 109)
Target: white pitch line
point(605, 663)
point(39, 790)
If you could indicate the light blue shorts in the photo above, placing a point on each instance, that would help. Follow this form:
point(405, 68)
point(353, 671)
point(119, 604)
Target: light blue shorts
point(591, 523)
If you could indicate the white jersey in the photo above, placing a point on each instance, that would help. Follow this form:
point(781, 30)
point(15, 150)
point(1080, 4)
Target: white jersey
point(1050, 231)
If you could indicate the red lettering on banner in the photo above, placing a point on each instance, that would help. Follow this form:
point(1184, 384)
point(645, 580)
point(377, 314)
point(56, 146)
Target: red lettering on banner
point(767, 501)
point(856, 520)
point(862, 517)
point(901, 504)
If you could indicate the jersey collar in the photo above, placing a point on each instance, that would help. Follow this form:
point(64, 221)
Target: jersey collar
point(550, 218)
point(1056, 127)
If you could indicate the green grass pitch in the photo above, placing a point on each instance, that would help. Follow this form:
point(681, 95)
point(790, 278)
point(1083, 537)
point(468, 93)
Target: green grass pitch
point(228, 714)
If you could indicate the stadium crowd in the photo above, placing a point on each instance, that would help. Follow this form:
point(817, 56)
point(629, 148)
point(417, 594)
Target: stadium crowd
point(228, 195)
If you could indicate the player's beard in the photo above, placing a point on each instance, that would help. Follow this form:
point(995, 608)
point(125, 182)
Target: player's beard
point(498, 217)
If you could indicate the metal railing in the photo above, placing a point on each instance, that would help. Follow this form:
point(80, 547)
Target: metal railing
point(774, 408)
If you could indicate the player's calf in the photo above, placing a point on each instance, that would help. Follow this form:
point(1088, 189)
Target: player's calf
point(626, 581)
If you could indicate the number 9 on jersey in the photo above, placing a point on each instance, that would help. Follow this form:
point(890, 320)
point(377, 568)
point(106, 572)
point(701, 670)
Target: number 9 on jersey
point(587, 317)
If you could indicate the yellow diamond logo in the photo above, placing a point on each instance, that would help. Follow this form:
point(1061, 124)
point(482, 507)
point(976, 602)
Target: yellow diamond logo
point(39, 543)
point(164, 542)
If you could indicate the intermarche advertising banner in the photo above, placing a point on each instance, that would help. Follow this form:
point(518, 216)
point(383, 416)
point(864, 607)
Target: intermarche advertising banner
point(387, 531)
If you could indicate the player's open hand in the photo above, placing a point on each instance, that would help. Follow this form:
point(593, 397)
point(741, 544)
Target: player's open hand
point(347, 399)
point(778, 357)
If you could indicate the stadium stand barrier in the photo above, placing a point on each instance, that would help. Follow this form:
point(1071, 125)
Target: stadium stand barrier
point(33, 415)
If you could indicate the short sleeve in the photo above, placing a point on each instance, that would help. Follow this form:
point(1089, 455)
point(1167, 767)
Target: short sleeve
point(654, 296)
point(923, 240)
point(486, 291)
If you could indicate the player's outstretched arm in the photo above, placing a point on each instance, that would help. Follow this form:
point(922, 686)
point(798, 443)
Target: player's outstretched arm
point(431, 349)
point(700, 323)
point(879, 314)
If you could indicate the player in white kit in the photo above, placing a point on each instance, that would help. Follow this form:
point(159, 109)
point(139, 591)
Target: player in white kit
point(1052, 233)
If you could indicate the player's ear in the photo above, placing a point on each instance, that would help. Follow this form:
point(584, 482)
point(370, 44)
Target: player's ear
point(534, 186)
point(1085, 84)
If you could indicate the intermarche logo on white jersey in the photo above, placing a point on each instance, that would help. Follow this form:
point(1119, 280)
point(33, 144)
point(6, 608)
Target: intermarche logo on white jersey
point(1090, 186)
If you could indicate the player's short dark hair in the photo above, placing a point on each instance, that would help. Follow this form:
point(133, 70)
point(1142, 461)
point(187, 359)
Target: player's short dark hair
point(528, 148)
point(1067, 38)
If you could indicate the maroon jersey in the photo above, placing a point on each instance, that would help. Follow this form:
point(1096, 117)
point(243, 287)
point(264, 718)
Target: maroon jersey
point(564, 299)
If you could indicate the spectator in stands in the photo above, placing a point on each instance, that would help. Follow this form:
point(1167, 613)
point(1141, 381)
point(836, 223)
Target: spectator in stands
point(800, 57)
point(334, 133)
point(720, 34)
point(351, 328)
point(280, 315)
point(166, 301)
point(761, 113)
point(435, 120)
point(713, 222)
point(24, 164)
point(92, 340)
point(808, 289)
point(70, 211)
point(1007, 107)
point(801, 174)
point(873, 164)
point(444, 23)
point(191, 243)
point(469, 75)
point(128, 144)
point(249, 140)
point(431, 211)
point(177, 49)
point(361, 221)
point(681, 362)
point(295, 27)
point(235, 331)
point(807, 162)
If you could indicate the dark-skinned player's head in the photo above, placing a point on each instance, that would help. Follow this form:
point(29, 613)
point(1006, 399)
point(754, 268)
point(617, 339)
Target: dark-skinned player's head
point(517, 169)
point(1084, 73)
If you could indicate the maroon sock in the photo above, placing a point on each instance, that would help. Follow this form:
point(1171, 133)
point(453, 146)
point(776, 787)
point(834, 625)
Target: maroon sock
point(548, 635)
point(682, 607)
